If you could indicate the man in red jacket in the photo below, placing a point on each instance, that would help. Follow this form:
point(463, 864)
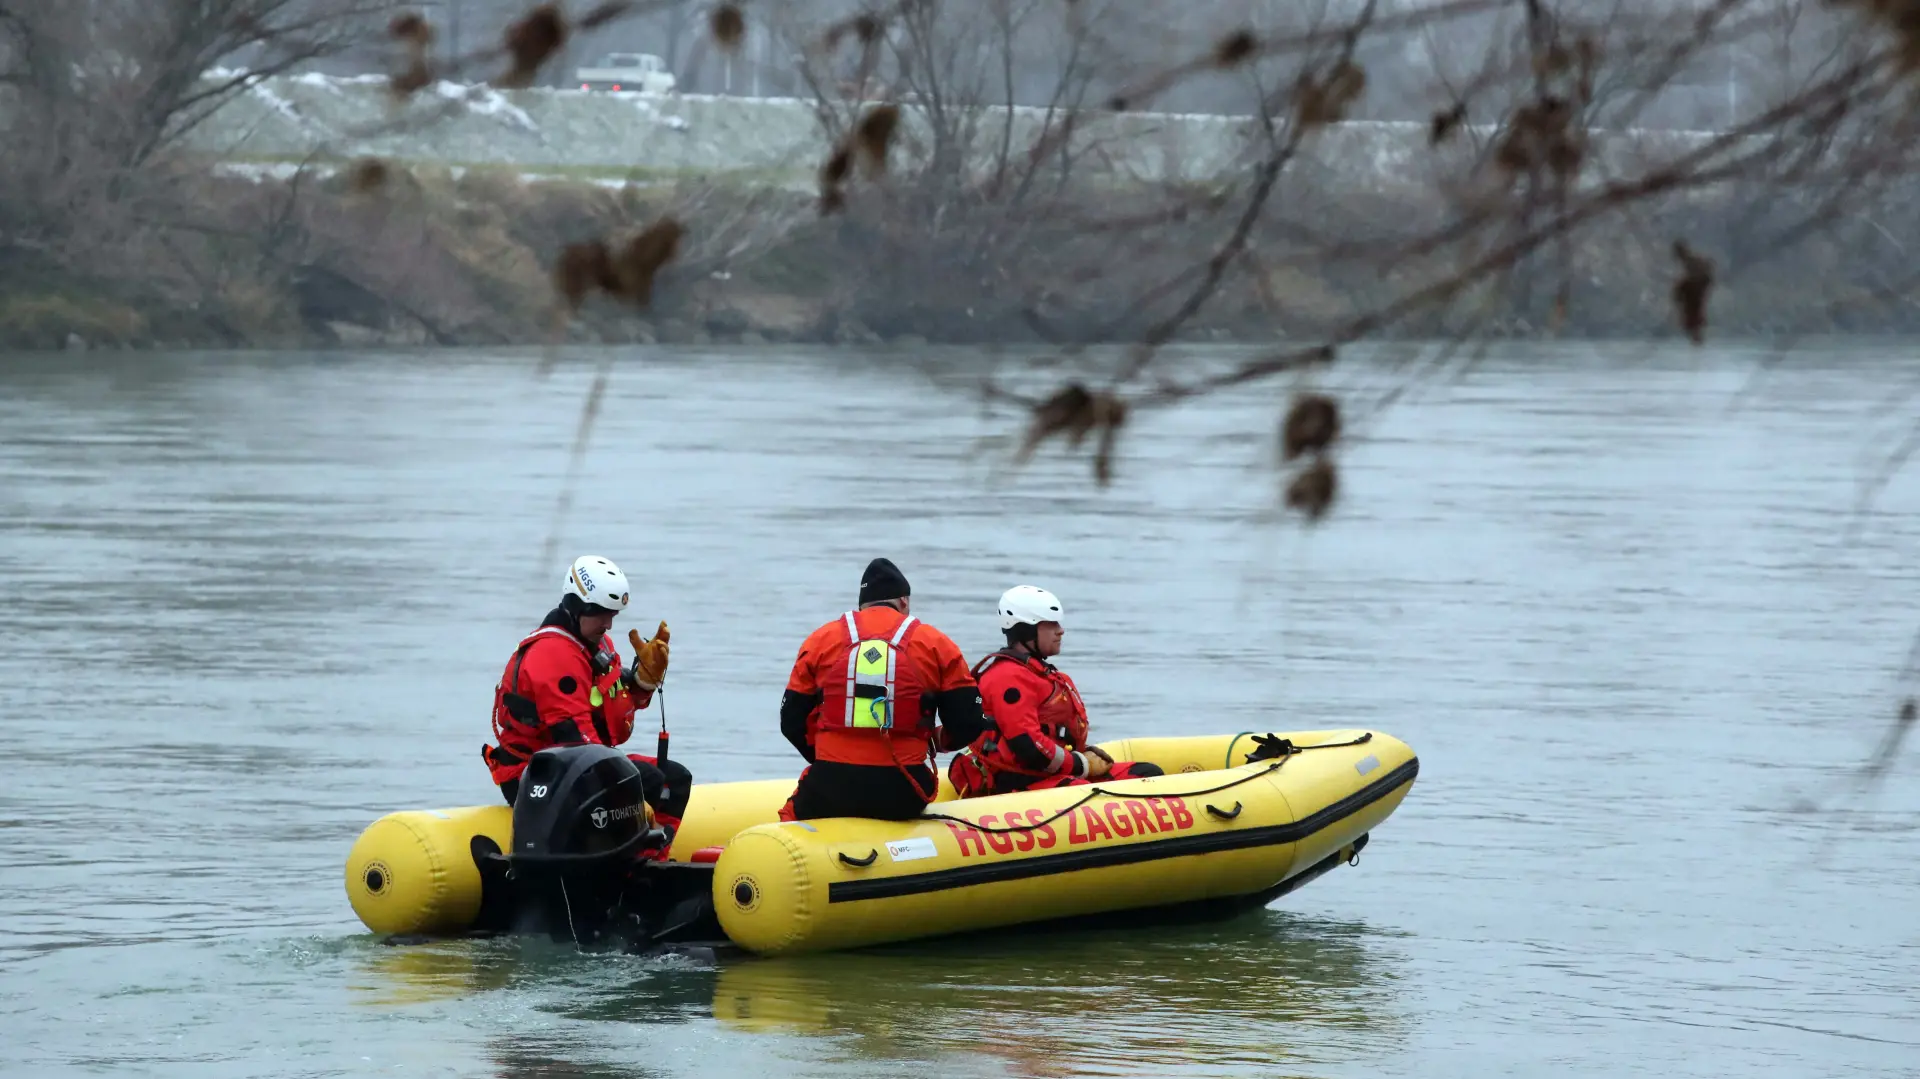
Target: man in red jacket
point(861, 702)
point(569, 670)
point(1037, 734)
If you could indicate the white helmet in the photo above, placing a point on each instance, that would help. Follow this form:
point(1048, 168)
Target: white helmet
point(598, 583)
point(1023, 604)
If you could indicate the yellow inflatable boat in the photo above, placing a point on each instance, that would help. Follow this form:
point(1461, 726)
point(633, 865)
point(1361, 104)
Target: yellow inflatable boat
point(1236, 821)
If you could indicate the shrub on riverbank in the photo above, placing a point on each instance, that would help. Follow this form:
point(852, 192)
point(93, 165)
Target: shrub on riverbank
point(441, 256)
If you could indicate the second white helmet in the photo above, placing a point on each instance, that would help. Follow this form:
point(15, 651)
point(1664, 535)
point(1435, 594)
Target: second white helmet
point(1023, 604)
point(598, 582)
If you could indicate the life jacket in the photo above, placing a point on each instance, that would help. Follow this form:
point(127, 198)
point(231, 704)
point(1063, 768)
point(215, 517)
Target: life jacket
point(1062, 714)
point(877, 714)
point(610, 709)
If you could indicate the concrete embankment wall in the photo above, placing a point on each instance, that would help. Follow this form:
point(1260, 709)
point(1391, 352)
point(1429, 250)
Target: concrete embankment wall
point(294, 116)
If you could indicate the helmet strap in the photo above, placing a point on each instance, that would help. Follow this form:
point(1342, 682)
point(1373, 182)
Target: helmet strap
point(573, 607)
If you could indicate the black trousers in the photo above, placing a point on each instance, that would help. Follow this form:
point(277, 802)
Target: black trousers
point(883, 792)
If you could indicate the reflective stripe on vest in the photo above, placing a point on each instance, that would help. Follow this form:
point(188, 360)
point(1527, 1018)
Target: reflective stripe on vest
point(871, 668)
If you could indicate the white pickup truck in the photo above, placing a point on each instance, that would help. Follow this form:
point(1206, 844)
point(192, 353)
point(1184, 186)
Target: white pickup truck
point(638, 72)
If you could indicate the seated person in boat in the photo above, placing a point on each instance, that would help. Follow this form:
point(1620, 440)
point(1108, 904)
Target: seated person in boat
point(564, 685)
point(861, 703)
point(1036, 736)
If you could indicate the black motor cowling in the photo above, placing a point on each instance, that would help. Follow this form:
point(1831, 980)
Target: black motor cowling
point(577, 805)
point(580, 820)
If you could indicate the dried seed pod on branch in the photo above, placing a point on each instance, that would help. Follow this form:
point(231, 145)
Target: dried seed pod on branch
point(531, 41)
point(1690, 291)
point(1072, 413)
point(368, 174)
point(1313, 491)
point(415, 34)
point(1325, 100)
point(623, 271)
point(870, 141)
point(1235, 49)
point(728, 26)
point(1312, 424)
point(1543, 135)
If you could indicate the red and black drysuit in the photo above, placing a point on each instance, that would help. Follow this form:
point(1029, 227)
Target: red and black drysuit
point(1037, 736)
point(579, 695)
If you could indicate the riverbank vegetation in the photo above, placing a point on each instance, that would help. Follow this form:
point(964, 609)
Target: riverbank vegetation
point(1793, 219)
point(439, 256)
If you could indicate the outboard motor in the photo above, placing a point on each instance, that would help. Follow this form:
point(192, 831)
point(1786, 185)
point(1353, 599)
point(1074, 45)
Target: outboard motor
point(580, 820)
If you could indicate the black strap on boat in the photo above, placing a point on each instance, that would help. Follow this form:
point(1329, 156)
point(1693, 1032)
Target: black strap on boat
point(1272, 746)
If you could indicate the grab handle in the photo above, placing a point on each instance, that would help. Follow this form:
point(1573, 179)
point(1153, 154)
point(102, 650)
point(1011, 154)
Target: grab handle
point(872, 856)
point(1224, 814)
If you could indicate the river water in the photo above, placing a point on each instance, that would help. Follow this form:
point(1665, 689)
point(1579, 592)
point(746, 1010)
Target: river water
point(1619, 602)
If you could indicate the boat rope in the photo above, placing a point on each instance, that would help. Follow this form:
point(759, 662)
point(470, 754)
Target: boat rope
point(1276, 749)
point(566, 902)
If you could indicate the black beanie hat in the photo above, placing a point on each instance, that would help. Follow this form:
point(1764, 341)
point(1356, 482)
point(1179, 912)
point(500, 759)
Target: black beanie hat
point(882, 580)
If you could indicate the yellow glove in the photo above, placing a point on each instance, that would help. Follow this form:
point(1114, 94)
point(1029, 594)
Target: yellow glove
point(649, 658)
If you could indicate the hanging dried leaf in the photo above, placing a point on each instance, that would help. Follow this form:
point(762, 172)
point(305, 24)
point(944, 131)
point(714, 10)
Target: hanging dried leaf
point(1326, 101)
point(1103, 457)
point(729, 26)
point(531, 42)
point(833, 174)
point(417, 76)
point(1234, 49)
point(838, 166)
point(1073, 412)
point(1069, 411)
point(1312, 424)
point(1690, 291)
point(1445, 123)
point(1312, 491)
point(412, 28)
point(1543, 134)
point(368, 174)
point(875, 135)
point(636, 264)
point(582, 268)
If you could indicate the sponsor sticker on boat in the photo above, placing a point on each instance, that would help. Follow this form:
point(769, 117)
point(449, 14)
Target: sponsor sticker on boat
point(908, 850)
point(1367, 764)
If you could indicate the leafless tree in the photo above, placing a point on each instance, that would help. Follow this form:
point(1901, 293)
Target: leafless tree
point(93, 93)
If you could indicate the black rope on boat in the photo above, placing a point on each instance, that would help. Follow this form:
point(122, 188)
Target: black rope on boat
point(1282, 746)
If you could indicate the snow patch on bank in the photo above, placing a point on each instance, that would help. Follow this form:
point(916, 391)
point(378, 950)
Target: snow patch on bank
point(485, 101)
point(349, 116)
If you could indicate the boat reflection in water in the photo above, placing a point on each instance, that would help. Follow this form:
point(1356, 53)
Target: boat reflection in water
point(1262, 993)
point(1260, 990)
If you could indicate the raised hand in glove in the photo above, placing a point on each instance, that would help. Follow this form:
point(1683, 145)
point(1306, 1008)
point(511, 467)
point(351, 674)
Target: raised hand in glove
point(649, 659)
